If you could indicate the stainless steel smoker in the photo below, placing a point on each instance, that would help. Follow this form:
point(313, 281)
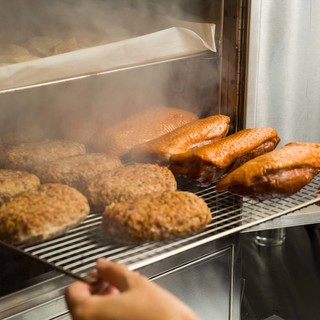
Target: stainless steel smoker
point(221, 64)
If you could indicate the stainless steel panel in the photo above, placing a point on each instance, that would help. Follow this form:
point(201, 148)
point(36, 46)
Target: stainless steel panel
point(44, 300)
point(205, 285)
point(283, 75)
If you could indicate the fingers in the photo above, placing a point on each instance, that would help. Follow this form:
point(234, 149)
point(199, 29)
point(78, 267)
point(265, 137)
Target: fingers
point(117, 275)
point(77, 293)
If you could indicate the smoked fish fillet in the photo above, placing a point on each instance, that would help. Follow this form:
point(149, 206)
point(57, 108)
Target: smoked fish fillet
point(149, 124)
point(207, 163)
point(193, 134)
point(276, 174)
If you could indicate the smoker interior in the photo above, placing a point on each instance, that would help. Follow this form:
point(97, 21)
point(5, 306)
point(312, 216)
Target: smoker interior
point(35, 276)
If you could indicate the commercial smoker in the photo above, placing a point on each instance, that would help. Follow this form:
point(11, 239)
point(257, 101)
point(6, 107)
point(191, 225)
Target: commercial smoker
point(223, 73)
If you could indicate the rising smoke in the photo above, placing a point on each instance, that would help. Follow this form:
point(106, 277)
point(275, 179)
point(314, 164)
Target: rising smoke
point(189, 84)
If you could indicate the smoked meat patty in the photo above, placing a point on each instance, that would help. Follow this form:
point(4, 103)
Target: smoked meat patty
point(26, 156)
point(42, 213)
point(156, 216)
point(77, 170)
point(13, 182)
point(122, 183)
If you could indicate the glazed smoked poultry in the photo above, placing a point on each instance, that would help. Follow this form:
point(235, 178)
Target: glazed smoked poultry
point(193, 134)
point(279, 173)
point(149, 124)
point(207, 163)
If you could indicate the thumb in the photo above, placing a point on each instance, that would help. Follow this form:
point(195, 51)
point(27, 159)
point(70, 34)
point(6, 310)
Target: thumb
point(117, 275)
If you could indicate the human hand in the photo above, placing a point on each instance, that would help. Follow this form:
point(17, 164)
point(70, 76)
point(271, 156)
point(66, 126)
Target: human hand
point(128, 295)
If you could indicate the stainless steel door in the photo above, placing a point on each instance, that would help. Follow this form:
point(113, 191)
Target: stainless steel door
point(283, 82)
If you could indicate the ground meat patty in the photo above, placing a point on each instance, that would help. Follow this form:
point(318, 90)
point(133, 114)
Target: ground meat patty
point(26, 156)
point(77, 170)
point(122, 183)
point(156, 216)
point(43, 213)
point(13, 182)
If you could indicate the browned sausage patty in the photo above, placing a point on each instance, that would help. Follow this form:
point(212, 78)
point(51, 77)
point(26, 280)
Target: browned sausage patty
point(77, 170)
point(26, 156)
point(13, 182)
point(156, 216)
point(122, 183)
point(41, 214)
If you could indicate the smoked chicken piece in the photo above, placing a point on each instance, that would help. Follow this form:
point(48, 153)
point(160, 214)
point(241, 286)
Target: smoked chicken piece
point(193, 134)
point(118, 139)
point(276, 174)
point(207, 163)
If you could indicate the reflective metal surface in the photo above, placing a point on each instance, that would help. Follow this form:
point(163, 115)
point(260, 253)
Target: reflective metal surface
point(282, 281)
point(283, 80)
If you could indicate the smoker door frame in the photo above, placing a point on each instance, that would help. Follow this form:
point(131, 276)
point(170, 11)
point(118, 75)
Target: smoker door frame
point(282, 77)
point(283, 68)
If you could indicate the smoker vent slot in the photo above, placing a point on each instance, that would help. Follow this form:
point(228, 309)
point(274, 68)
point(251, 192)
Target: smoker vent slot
point(75, 252)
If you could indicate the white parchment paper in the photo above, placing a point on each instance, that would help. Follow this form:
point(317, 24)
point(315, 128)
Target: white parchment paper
point(163, 45)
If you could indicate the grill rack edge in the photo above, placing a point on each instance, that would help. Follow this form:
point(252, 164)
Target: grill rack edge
point(75, 252)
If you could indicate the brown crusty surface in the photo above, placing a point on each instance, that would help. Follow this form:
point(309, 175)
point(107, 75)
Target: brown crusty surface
point(279, 173)
point(191, 135)
point(13, 182)
point(139, 128)
point(207, 163)
point(122, 183)
point(156, 216)
point(41, 214)
point(26, 156)
point(77, 170)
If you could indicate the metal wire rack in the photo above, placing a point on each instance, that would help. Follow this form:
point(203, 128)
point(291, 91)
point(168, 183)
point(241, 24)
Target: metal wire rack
point(75, 252)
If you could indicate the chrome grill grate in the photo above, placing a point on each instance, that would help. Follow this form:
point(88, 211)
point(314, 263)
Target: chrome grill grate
point(75, 252)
